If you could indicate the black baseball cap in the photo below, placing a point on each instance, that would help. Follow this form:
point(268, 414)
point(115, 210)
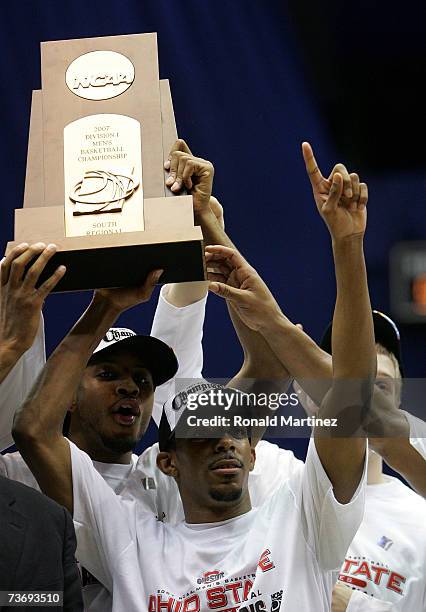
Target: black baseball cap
point(160, 358)
point(189, 401)
point(385, 331)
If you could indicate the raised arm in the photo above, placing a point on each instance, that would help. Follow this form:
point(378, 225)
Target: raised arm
point(22, 352)
point(38, 423)
point(196, 175)
point(353, 345)
point(21, 302)
point(353, 338)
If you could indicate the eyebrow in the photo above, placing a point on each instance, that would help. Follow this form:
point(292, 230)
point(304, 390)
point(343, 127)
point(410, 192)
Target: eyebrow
point(114, 363)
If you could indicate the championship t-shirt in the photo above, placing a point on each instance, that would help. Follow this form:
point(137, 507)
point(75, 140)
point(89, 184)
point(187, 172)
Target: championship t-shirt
point(387, 558)
point(279, 556)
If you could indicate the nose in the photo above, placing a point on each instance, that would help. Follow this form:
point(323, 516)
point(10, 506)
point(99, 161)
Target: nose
point(127, 387)
point(226, 442)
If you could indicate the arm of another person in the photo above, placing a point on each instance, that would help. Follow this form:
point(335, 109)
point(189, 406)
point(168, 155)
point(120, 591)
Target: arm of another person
point(22, 352)
point(179, 317)
point(341, 201)
point(38, 423)
point(196, 175)
point(342, 459)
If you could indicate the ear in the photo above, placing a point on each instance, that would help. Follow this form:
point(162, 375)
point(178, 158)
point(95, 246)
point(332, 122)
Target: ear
point(252, 458)
point(166, 463)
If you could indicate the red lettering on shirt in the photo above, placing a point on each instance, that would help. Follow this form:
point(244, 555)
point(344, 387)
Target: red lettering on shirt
point(247, 586)
point(191, 604)
point(379, 571)
point(394, 582)
point(234, 586)
point(363, 570)
point(216, 597)
point(265, 562)
point(347, 565)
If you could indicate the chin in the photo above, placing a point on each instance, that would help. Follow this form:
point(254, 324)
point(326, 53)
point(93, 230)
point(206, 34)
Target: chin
point(120, 444)
point(226, 494)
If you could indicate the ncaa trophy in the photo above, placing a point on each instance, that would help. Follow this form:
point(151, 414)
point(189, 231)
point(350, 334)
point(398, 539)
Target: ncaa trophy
point(100, 129)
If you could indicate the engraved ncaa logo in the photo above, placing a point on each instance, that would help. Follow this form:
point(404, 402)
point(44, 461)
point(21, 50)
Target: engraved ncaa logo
point(100, 75)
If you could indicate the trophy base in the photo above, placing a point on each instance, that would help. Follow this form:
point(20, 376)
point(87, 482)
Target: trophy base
point(127, 266)
point(119, 260)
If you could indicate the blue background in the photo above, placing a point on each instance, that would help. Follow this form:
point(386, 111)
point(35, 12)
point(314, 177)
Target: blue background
point(251, 80)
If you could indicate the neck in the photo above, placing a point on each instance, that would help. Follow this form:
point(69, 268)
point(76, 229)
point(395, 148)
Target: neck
point(215, 511)
point(375, 469)
point(98, 452)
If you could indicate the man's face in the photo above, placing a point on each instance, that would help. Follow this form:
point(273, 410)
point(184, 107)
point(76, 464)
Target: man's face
point(213, 471)
point(114, 402)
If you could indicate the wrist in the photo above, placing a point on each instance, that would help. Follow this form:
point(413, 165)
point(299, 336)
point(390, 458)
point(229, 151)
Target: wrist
point(275, 323)
point(106, 305)
point(348, 243)
point(10, 353)
point(204, 216)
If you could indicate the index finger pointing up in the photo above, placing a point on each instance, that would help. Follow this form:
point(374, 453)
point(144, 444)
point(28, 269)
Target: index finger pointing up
point(312, 169)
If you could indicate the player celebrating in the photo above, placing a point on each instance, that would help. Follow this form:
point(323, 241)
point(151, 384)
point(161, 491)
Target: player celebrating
point(284, 551)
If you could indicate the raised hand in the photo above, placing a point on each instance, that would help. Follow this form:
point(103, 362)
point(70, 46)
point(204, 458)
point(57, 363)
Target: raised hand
point(341, 199)
point(194, 173)
point(121, 299)
point(235, 280)
point(21, 302)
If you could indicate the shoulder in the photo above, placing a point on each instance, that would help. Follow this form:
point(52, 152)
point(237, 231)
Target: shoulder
point(29, 501)
point(270, 456)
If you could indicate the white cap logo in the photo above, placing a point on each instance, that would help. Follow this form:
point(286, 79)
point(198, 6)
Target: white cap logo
point(100, 75)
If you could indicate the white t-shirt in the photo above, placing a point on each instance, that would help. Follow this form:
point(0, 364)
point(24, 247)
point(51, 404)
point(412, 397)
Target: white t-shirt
point(283, 551)
point(16, 385)
point(160, 495)
point(387, 558)
point(417, 433)
point(180, 328)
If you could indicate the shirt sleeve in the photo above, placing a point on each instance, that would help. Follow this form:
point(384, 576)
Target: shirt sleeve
point(361, 602)
point(14, 467)
point(329, 526)
point(17, 384)
point(274, 465)
point(182, 329)
point(417, 433)
point(101, 519)
point(159, 493)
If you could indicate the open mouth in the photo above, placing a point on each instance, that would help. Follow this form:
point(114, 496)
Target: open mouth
point(126, 412)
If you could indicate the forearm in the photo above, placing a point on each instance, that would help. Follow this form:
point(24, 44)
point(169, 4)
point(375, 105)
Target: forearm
point(43, 412)
point(300, 355)
point(342, 450)
point(9, 357)
point(353, 347)
point(259, 359)
point(213, 232)
point(402, 457)
point(184, 294)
